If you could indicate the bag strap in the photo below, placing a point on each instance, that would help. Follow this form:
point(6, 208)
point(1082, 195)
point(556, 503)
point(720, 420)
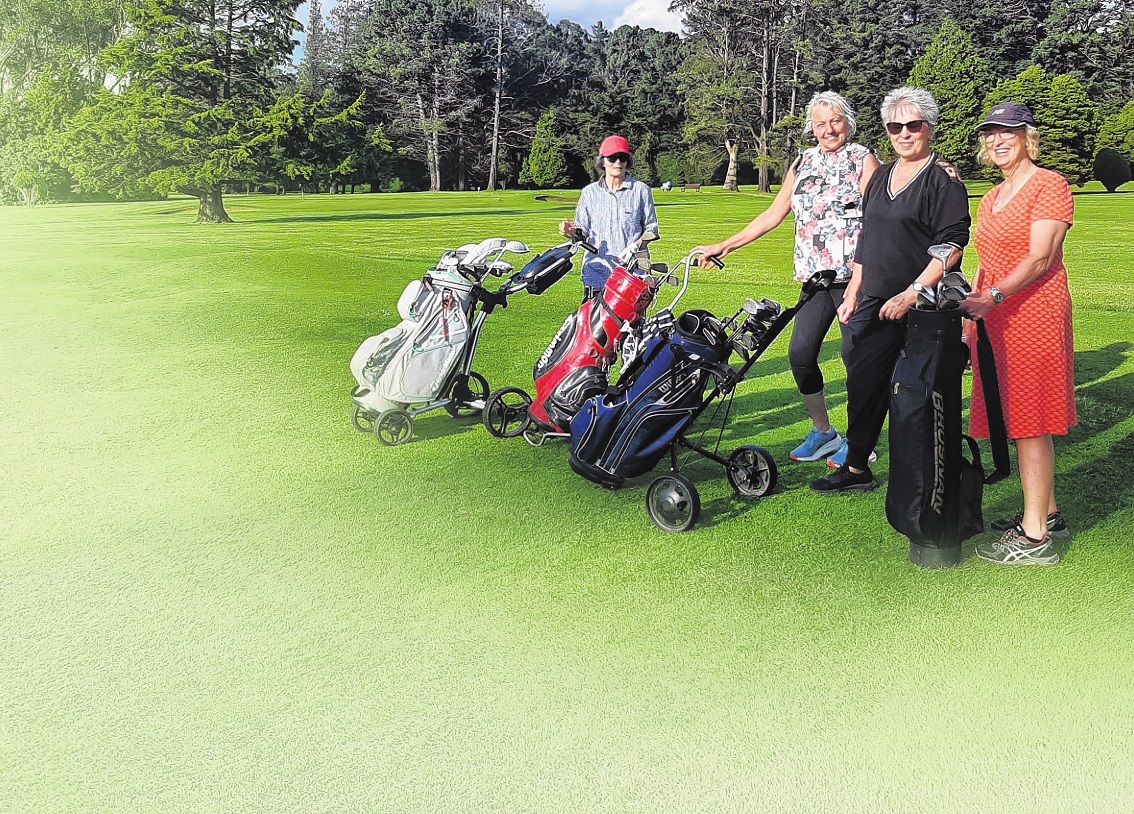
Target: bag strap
point(993, 407)
point(974, 451)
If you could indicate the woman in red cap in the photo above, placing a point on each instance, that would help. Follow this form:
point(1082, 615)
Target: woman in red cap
point(613, 212)
point(1021, 294)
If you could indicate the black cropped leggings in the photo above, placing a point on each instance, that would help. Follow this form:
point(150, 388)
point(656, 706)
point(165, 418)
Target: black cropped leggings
point(810, 329)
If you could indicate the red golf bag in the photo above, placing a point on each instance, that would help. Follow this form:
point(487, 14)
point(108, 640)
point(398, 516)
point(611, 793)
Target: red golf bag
point(576, 365)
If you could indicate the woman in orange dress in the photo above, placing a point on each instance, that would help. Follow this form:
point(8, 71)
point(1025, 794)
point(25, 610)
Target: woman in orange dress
point(1021, 294)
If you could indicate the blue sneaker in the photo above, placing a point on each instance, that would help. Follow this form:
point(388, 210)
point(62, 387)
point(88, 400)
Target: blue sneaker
point(840, 457)
point(817, 445)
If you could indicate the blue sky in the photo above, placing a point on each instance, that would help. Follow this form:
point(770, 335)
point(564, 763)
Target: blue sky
point(644, 13)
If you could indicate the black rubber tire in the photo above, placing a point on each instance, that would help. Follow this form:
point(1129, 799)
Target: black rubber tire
point(362, 420)
point(673, 503)
point(393, 427)
point(752, 471)
point(475, 388)
point(505, 417)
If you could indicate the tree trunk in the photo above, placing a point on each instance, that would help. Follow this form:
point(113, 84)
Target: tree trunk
point(212, 208)
point(498, 92)
point(733, 148)
point(432, 143)
point(30, 194)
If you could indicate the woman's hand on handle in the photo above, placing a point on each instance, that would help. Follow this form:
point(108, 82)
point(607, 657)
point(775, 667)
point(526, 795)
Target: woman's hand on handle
point(717, 250)
point(978, 305)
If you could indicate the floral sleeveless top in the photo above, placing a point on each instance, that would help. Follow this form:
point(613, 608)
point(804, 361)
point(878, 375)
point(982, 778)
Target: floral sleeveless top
point(827, 204)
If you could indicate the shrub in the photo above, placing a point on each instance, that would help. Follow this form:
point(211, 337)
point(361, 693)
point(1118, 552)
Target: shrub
point(1111, 169)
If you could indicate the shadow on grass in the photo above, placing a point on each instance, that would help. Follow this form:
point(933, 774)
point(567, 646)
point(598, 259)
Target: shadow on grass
point(1093, 461)
point(371, 216)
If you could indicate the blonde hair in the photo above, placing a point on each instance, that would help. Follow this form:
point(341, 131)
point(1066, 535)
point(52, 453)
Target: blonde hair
point(1031, 144)
point(837, 103)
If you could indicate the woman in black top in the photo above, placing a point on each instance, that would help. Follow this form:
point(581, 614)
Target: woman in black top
point(910, 204)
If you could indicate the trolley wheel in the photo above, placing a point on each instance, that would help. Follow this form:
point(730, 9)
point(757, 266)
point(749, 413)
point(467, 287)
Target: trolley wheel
point(752, 471)
point(506, 412)
point(673, 503)
point(464, 392)
point(393, 427)
point(363, 420)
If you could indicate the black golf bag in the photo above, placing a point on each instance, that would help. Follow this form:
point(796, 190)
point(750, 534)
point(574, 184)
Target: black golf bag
point(935, 493)
point(626, 432)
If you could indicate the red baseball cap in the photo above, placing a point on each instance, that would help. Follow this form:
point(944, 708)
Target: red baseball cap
point(613, 145)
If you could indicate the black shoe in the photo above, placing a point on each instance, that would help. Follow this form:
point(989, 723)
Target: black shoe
point(1056, 525)
point(843, 480)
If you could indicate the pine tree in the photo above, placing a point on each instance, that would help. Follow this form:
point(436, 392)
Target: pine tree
point(956, 75)
point(1072, 122)
point(315, 70)
point(546, 166)
point(1117, 133)
point(199, 77)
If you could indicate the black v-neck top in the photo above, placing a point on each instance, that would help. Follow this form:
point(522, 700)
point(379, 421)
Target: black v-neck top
point(897, 230)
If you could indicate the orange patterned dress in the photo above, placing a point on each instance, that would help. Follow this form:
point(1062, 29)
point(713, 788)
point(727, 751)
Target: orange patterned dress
point(1031, 330)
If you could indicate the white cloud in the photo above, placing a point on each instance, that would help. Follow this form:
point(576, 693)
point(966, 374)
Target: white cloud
point(649, 14)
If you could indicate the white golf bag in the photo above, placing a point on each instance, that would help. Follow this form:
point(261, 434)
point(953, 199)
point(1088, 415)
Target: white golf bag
point(412, 362)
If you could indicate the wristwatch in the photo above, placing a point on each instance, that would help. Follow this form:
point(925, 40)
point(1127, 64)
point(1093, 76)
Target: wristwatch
point(997, 295)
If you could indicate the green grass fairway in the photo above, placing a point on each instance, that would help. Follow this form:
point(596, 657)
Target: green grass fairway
point(217, 596)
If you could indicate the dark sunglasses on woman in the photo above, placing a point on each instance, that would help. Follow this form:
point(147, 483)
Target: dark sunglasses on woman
point(893, 128)
point(618, 158)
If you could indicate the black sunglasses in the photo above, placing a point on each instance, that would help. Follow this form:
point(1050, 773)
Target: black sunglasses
point(618, 158)
point(893, 128)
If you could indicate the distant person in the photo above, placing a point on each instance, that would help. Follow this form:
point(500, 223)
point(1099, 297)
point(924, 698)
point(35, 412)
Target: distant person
point(613, 212)
point(1021, 294)
point(912, 203)
point(823, 188)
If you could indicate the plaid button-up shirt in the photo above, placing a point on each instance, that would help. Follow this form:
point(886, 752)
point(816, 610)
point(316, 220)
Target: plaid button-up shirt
point(612, 221)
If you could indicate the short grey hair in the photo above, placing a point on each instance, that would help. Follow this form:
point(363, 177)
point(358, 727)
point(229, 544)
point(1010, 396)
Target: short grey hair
point(917, 98)
point(828, 98)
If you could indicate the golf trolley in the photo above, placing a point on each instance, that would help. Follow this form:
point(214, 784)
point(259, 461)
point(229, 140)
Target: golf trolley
point(576, 365)
point(425, 362)
point(627, 431)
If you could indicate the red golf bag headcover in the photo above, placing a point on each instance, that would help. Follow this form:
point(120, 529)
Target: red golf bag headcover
point(576, 365)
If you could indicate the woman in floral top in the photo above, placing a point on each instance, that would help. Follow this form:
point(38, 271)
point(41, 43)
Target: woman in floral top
point(823, 189)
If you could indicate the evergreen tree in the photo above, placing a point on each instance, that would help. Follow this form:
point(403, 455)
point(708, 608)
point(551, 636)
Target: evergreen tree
point(419, 64)
point(956, 75)
point(546, 166)
point(862, 50)
point(315, 70)
point(1111, 168)
point(1072, 126)
point(1117, 132)
point(198, 79)
point(1076, 40)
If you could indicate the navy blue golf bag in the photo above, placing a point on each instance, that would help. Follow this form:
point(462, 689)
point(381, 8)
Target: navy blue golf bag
point(627, 431)
point(935, 493)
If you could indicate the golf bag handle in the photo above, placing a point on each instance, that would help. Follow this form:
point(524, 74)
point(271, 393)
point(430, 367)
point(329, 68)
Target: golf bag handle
point(993, 407)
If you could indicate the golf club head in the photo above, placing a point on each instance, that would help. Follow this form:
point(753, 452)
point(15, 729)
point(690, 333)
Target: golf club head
point(926, 300)
point(952, 293)
point(956, 279)
point(941, 251)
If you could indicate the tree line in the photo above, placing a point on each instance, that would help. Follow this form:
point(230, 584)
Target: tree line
point(134, 98)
